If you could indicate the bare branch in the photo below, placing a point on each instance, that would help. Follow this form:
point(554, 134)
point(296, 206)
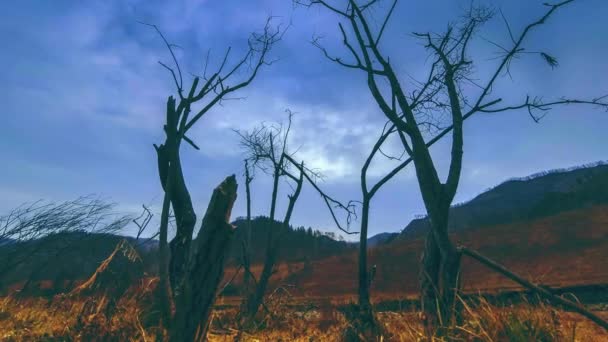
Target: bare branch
point(146, 215)
point(260, 45)
point(386, 18)
point(32, 221)
point(536, 104)
point(322, 3)
point(178, 84)
point(330, 202)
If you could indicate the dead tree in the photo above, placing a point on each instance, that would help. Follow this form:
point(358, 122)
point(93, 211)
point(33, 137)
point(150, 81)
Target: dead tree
point(178, 273)
point(417, 112)
point(267, 150)
point(246, 244)
point(196, 293)
point(367, 194)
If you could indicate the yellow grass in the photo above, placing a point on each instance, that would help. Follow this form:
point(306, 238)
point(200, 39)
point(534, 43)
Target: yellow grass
point(62, 318)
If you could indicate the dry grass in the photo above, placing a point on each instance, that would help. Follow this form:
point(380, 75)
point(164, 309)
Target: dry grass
point(71, 319)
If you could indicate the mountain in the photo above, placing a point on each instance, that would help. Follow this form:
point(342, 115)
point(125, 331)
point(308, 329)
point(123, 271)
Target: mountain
point(381, 239)
point(521, 199)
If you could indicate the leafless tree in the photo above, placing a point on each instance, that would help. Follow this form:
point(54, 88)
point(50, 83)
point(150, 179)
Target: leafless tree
point(267, 149)
point(246, 244)
point(413, 112)
point(189, 280)
point(367, 194)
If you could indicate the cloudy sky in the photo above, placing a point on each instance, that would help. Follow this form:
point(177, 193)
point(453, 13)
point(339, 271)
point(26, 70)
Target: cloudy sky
point(82, 100)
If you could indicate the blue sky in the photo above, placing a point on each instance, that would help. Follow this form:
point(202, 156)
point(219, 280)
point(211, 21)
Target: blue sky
point(83, 96)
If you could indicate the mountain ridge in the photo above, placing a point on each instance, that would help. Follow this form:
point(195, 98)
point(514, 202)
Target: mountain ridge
point(518, 199)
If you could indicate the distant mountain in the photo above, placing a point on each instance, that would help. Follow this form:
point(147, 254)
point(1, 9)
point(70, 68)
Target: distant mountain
point(520, 199)
point(380, 239)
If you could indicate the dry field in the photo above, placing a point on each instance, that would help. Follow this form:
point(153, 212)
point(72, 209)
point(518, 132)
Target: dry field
point(80, 319)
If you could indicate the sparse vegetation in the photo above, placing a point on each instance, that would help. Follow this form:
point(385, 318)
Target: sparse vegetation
point(58, 319)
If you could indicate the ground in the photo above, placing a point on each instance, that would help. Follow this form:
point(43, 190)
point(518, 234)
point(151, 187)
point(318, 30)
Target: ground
point(67, 318)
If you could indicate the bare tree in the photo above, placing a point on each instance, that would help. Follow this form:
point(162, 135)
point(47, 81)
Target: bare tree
point(368, 322)
point(246, 244)
point(184, 269)
point(267, 149)
point(413, 113)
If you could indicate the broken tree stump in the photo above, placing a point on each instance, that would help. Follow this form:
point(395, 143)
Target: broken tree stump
point(115, 274)
point(109, 283)
point(194, 301)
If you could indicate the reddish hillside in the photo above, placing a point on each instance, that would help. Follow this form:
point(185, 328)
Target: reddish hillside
point(570, 248)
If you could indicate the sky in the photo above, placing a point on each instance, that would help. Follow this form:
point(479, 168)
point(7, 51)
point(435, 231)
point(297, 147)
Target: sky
point(83, 100)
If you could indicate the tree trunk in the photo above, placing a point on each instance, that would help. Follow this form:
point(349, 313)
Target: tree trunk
point(440, 279)
point(247, 246)
point(272, 249)
point(194, 303)
point(364, 301)
point(185, 220)
point(164, 287)
point(257, 296)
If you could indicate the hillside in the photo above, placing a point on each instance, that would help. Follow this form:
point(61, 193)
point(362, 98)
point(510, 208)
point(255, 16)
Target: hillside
point(380, 239)
point(297, 243)
point(521, 199)
point(560, 250)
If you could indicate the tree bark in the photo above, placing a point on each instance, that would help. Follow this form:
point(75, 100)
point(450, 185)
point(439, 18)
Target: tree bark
point(185, 220)
point(364, 301)
point(247, 246)
point(255, 298)
point(194, 303)
point(440, 281)
point(272, 248)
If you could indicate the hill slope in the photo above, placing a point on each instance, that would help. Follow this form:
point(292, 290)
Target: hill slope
point(522, 199)
point(570, 248)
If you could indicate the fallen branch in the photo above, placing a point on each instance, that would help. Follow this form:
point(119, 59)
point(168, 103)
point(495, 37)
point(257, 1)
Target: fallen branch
point(541, 291)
